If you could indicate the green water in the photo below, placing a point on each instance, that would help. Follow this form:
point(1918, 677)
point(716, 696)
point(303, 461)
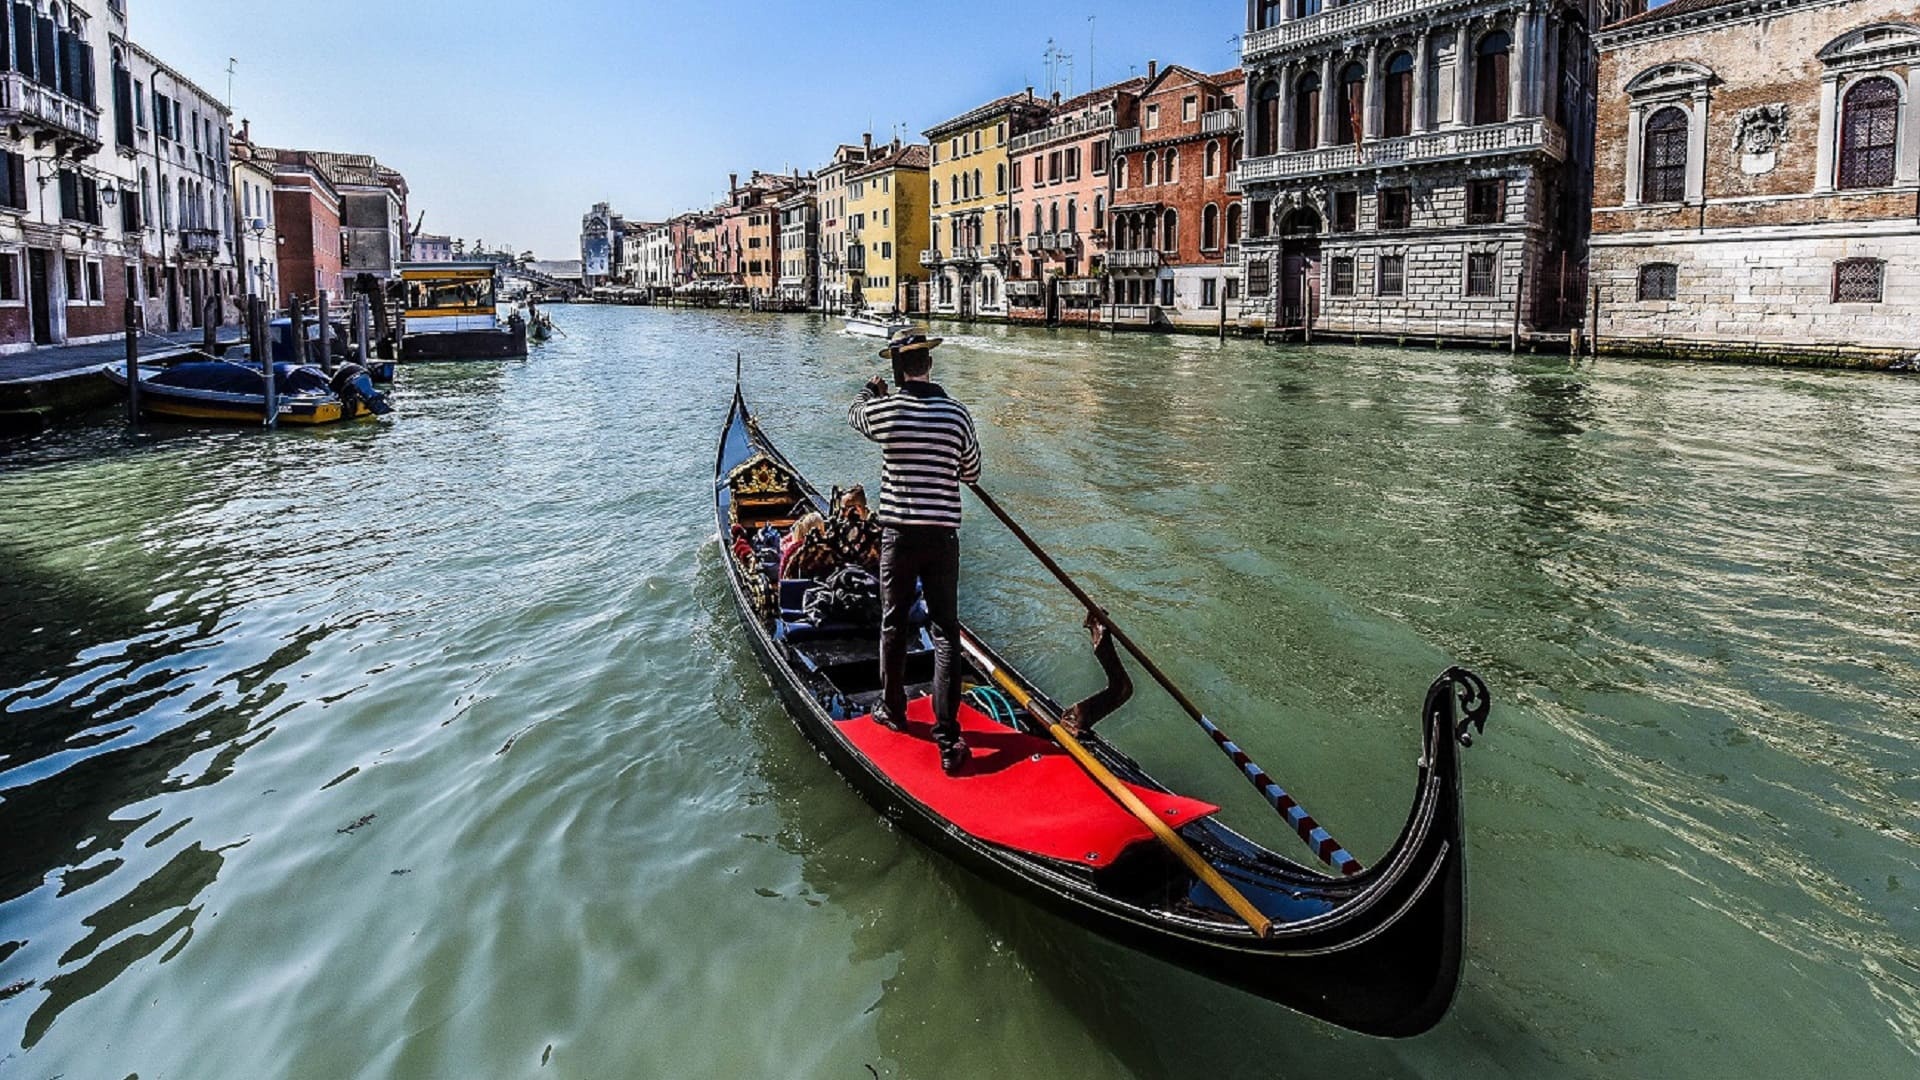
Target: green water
point(430, 747)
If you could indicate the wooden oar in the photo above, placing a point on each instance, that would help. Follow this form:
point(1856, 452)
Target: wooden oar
point(1121, 793)
point(1323, 844)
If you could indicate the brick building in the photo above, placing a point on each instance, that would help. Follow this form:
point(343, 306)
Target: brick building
point(1056, 265)
point(1175, 213)
point(1417, 168)
point(307, 210)
point(1758, 186)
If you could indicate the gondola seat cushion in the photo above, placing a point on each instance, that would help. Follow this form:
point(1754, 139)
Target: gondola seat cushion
point(1019, 791)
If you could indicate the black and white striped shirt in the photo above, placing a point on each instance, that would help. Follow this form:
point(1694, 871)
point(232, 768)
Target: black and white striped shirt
point(929, 449)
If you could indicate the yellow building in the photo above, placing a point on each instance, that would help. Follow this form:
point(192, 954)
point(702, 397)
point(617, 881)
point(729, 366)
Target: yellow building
point(971, 204)
point(887, 228)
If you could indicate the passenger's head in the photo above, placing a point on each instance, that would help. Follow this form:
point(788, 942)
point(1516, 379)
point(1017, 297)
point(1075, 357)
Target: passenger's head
point(809, 526)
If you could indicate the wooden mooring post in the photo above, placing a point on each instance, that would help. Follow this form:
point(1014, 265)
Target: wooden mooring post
point(132, 313)
point(325, 310)
point(259, 333)
point(208, 335)
point(362, 323)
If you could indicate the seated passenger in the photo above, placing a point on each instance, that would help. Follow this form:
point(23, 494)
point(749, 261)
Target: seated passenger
point(803, 530)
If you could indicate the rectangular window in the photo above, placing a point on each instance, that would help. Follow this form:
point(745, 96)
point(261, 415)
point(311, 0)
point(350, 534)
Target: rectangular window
point(1341, 277)
point(1153, 117)
point(1016, 175)
point(1858, 281)
point(1053, 167)
point(886, 249)
point(9, 277)
point(1486, 202)
point(74, 295)
point(1659, 281)
point(1099, 159)
point(1393, 275)
point(1190, 109)
point(96, 292)
point(1073, 163)
point(1345, 211)
point(1259, 278)
point(1209, 292)
point(1395, 208)
point(1166, 292)
point(1233, 288)
point(1480, 274)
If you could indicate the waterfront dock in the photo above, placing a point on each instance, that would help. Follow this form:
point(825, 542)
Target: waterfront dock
point(42, 385)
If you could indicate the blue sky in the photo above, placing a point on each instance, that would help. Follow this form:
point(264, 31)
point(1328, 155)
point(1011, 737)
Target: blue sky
point(510, 119)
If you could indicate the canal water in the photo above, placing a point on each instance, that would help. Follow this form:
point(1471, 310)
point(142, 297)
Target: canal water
point(430, 746)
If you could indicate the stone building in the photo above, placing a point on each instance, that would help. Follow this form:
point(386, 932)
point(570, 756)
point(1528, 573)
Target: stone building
point(800, 250)
point(691, 237)
point(189, 254)
point(1416, 168)
point(1061, 190)
point(652, 255)
point(1174, 218)
point(603, 236)
point(255, 229)
point(887, 200)
point(1758, 186)
point(832, 196)
point(970, 202)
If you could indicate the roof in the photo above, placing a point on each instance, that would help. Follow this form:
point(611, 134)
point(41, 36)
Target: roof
point(1671, 10)
point(1094, 97)
point(914, 156)
point(340, 170)
point(1234, 76)
point(212, 102)
point(990, 109)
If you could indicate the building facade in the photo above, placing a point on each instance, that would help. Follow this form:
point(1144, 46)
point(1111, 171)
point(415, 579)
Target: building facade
point(834, 218)
point(428, 247)
point(1175, 218)
point(1416, 169)
point(602, 238)
point(256, 231)
point(1062, 187)
point(888, 203)
point(1758, 186)
point(188, 255)
point(653, 250)
point(970, 198)
point(800, 250)
point(307, 211)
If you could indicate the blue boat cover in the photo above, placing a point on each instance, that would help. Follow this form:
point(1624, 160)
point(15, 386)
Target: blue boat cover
point(229, 378)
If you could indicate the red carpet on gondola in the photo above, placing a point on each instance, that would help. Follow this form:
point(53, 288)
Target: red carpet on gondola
point(1019, 791)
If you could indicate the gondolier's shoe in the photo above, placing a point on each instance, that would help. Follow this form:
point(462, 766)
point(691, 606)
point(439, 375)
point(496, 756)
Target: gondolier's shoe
point(886, 719)
point(954, 756)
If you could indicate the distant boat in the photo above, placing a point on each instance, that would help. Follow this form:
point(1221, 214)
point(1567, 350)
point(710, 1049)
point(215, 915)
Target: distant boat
point(453, 314)
point(223, 390)
point(876, 325)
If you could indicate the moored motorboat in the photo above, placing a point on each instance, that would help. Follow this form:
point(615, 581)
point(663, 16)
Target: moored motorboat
point(1377, 950)
point(225, 391)
point(870, 324)
point(452, 314)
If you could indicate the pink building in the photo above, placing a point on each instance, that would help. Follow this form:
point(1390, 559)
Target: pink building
point(1061, 195)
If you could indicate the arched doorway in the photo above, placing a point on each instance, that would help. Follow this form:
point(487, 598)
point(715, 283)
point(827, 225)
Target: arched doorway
point(1299, 289)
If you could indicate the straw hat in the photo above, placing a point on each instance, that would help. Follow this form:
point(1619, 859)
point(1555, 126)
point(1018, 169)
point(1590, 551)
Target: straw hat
point(908, 341)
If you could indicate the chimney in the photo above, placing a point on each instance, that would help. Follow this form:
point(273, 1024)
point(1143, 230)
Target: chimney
point(1029, 93)
point(867, 141)
point(733, 181)
point(1056, 97)
point(1153, 69)
point(246, 131)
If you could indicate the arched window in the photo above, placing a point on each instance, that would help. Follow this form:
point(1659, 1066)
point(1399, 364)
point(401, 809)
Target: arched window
point(977, 189)
point(1266, 120)
point(1490, 79)
point(1269, 14)
point(1869, 130)
point(1073, 216)
point(1099, 213)
point(1399, 101)
point(1233, 155)
point(1210, 228)
point(1213, 159)
point(1170, 231)
point(1000, 178)
point(1304, 8)
point(146, 197)
point(1233, 224)
point(1147, 163)
point(1120, 172)
point(1353, 105)
point(1016, 222)
point(1663, 168)
point(1053, 217)
point(1170, 165)
point(1306, 112)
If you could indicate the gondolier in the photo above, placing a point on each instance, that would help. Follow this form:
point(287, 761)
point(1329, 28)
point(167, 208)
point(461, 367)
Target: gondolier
point(929, 449)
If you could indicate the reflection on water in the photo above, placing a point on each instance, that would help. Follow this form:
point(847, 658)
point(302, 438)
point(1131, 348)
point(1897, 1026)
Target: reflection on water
point(430, 747)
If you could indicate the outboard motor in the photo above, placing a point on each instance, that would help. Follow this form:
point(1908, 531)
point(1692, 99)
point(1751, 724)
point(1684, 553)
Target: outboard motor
point(353, 384)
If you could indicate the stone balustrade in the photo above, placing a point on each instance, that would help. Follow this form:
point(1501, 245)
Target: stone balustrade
point(1084, 123)
point(26, 103)
point(1335, 22)
point(1515, 136)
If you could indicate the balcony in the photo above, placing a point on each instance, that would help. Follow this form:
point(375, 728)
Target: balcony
point(1083, 287)
point(1085, 123)
point(1234, 256)
point(1126, 139)
point(201, 243)
point(1532, 134)
point(1033, 242)
point(1336, 22)
point(1133, 260)
point(856, 253)
point(1134, 314)
point(1023, 287)
point(931, 258)
point(1220, 122)
point(35, 108)
point(1001, 252)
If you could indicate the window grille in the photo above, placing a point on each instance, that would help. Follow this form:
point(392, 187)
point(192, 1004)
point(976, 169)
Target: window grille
point(1869, 129)
point(1480, 279)
point(1858, 281)
point(1664, 159)
point(1393, 275)
point(1659, 281)
point(1342, 283)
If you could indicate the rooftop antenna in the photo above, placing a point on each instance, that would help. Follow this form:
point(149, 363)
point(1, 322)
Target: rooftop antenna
point(232, 63)
point(1093, 24)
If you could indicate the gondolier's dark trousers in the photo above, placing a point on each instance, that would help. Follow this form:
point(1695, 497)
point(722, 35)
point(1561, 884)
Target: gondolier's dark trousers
point(929, 555)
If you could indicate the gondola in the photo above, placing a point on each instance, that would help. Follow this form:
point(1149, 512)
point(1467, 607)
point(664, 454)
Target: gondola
point(237, 393)
point(1376, 950)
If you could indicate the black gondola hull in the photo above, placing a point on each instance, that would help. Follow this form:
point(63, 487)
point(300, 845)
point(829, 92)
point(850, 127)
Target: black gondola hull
point(1385, 961)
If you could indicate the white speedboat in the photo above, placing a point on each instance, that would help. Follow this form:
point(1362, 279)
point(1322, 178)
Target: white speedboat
point(877, 325)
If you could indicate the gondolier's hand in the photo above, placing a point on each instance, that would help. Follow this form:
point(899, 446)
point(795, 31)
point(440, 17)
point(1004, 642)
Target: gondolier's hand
point(877, 386)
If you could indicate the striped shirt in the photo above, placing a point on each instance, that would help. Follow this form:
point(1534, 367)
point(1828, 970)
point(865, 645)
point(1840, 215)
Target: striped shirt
point(929, 448)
